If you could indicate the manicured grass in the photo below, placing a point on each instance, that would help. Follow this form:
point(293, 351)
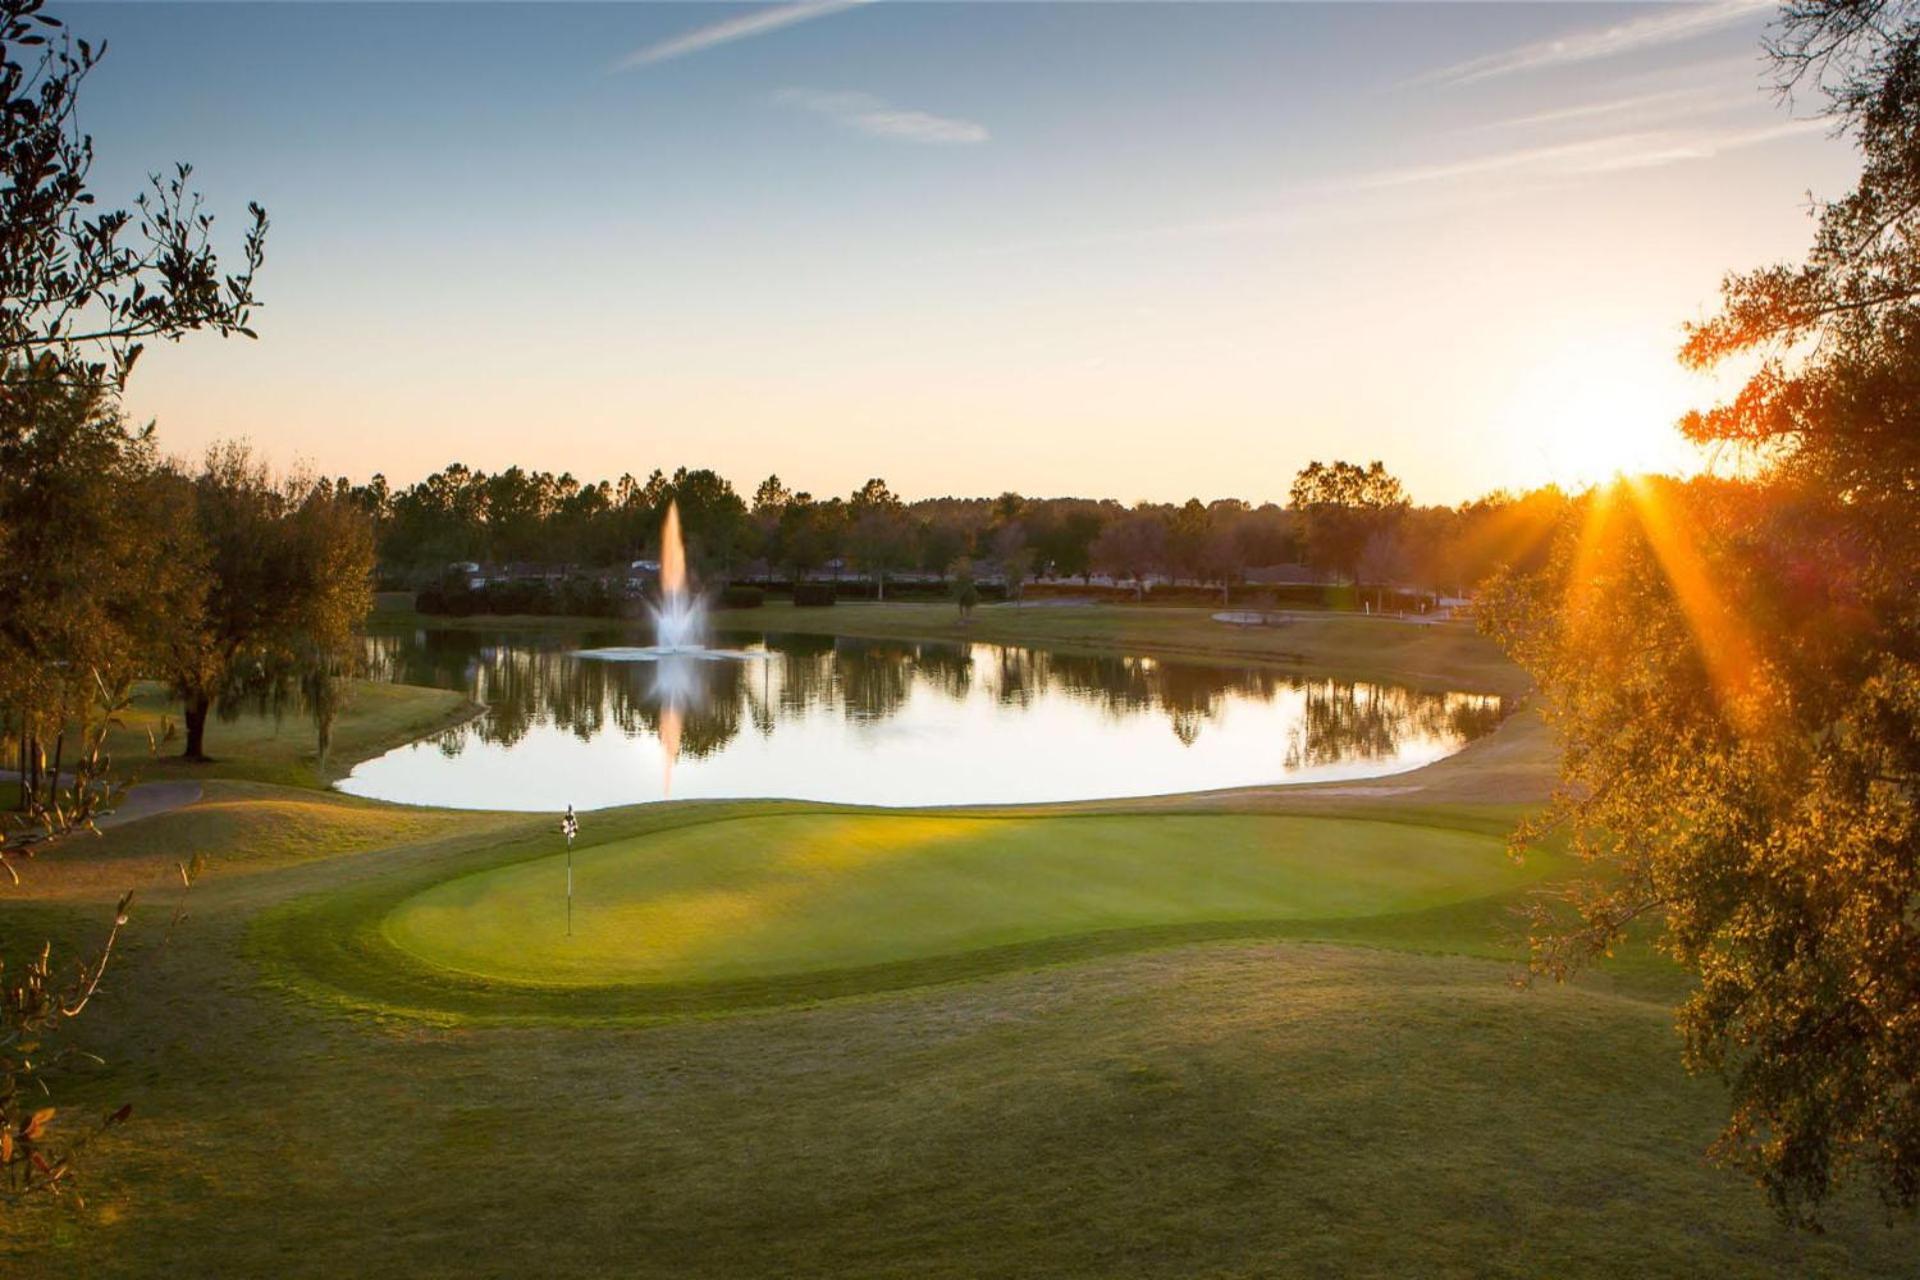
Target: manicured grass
point(1241, 1109)
point(1117, 1043)
point(762, 897)
point(240, 828)
point(264, 748)
point(799, 903)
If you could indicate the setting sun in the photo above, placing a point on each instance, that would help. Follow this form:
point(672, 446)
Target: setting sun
point(1602, 407)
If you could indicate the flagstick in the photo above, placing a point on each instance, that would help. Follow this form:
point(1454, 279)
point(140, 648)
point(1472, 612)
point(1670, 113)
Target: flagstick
point(570, 827)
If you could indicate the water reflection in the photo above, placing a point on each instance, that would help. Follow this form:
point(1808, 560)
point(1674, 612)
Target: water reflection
point(885, 722)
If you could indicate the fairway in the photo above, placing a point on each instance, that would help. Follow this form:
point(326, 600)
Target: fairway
point(761, 897)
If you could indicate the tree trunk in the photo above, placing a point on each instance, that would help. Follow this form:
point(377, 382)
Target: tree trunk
point(198, 705)
point(53, 783)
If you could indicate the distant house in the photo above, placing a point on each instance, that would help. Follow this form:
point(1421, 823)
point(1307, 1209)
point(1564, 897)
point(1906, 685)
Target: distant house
point(642, 574)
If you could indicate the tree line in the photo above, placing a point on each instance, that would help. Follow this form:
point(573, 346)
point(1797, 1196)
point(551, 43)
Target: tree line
point(1347, 522)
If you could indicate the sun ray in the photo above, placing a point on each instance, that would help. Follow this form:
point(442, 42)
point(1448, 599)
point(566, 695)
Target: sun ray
point(1726, 643)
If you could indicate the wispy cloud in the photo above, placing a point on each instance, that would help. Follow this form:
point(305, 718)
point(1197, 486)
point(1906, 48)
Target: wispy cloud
point(1613, 153)
point(1665, 104)
point(867, 114)
point(745, 26)
point(1418, 190)
point(1668, 26)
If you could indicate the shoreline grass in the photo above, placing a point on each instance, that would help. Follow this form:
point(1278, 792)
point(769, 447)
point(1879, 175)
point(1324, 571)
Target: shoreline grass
point(253, 746)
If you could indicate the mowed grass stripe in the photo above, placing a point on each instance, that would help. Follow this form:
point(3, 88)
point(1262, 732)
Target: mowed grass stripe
point(767, 897)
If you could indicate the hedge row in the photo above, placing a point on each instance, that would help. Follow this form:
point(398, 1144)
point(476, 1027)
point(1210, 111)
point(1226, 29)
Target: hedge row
point(812, 595)
point(585, 597)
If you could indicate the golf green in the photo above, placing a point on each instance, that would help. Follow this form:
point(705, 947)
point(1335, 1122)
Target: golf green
point(761, 897)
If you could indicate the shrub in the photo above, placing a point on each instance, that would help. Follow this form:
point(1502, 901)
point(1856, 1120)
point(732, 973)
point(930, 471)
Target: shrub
point(812, 595)
point(587, 598)
point(736, 597)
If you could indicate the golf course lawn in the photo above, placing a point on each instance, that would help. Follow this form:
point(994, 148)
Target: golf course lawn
point(1266, 1032)
point(758, 897)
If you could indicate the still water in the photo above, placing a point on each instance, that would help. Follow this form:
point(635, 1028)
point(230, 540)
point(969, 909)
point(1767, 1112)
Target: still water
point(879, 722)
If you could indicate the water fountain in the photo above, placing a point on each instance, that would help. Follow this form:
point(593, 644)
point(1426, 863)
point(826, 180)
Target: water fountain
point(679, 620)
point(679, 633)
point(680, 615)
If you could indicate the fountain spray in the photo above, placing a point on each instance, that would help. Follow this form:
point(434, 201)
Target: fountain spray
point(678, 622)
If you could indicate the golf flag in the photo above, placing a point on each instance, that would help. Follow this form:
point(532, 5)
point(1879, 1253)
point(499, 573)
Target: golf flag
point(569, 827)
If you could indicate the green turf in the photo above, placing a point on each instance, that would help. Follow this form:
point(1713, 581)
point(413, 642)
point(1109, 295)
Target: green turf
point(769, 896)
point(1210, 1095)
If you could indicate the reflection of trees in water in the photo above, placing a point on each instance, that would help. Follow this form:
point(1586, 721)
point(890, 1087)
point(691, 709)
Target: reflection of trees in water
point(803, 681)
point(1342, 721)
point(1189, 696)
point(711, 713)
point(860, 679)
point(872, 682)
point(946, 668)
point(530, 682)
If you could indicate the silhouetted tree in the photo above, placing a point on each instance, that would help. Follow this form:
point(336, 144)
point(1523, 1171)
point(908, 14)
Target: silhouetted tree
point(966, 593)
point(288, 579)
point(879, 536)
point(1133, 546)
point(1015, 558)
point(1346, 507)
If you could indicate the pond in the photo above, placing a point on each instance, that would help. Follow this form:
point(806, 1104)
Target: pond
point(880, 722)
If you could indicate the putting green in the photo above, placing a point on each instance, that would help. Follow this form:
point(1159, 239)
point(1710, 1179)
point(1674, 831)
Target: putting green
point(771, 896)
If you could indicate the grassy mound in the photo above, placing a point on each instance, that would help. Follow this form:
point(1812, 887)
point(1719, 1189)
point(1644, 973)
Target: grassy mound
point(715, 907)
point(235, 827)
point(769, 896)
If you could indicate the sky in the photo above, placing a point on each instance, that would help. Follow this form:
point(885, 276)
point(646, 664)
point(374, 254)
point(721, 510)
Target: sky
point(1132, 250)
